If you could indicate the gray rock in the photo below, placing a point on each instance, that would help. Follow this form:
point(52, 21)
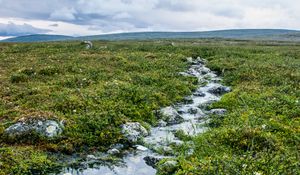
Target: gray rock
point(218, 111)
point(152, 161)
point(88, 44)
point(181, 111)
point(219, 90)
point(204, 70)
point(192, 72)
point(171, 116)
point(199, 94)
point(161, 123)
point(184, 74)
point(113, 151)
point(133, 132)
point(91, 157)
point(189, 60)
point(200, 60)
point(193, 110)
point(141, 148)
point(118, 146)
point(42, 127)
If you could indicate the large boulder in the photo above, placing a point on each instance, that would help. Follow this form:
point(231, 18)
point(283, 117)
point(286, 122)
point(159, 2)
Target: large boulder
point(133, 132)
point(42, 127)
point(170, 116)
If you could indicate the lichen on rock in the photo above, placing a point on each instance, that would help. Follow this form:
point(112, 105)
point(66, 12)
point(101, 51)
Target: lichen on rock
point(133, 132)
point(42, 127)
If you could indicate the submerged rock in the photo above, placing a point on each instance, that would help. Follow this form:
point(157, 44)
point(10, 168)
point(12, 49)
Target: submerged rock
point(219, 90)
point(161, 123)
point(188, 100)
point(133, 132)
point(42, 127)
point(171, 116)
point(199, 94)
point(152, 161)
point(193, 110)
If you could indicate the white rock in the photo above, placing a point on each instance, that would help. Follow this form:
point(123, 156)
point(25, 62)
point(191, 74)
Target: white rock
point(113, 151)
point(133, 131)
point(141, 148)
point(47, 128)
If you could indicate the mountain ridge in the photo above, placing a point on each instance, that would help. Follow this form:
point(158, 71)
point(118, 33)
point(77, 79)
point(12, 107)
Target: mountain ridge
point(248, 34)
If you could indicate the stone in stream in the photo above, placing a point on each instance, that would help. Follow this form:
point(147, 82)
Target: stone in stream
point(218, 111)
point(200, 60)
point(118, 146)
point(91, 157)
point(219, 90)
point(193, 110)
point(199, 94)
point(141, 148)
point(189, 59)
point(43, 127)
point(152, 161)
point(184, 74)
point(161, 123)
point(113, 151)
point(170, 116)
point(133, 132)
point(204, 70)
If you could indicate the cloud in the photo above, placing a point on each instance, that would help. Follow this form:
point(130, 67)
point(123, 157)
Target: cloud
point(63, 14)
point(108, 16)
point(12, 29)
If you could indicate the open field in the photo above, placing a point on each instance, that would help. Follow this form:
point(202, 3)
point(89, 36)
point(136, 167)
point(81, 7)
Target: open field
point(95, 91)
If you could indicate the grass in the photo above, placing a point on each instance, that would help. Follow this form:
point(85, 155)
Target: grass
point(95, 91)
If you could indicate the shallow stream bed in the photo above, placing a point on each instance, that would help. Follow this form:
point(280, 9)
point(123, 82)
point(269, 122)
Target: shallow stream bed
point(188, 117)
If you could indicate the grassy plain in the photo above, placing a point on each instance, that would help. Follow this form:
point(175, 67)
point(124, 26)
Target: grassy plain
point(95, 91)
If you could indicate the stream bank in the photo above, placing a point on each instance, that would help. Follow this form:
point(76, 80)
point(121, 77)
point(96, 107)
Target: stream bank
point(188, 118)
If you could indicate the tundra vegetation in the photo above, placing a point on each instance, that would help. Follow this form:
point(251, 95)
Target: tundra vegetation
point(93, 92)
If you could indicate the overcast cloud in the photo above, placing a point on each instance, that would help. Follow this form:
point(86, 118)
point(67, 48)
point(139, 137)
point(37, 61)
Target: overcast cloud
point(88, 17)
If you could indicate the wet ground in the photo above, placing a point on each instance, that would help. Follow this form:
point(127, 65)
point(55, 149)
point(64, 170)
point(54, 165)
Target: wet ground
point(192, 114)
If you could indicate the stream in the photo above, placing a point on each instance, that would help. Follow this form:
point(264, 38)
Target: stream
point(189, 117)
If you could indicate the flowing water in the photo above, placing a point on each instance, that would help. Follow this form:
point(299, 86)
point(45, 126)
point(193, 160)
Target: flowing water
point(193, 113)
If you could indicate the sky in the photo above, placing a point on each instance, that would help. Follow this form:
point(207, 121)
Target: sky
point(92, 17)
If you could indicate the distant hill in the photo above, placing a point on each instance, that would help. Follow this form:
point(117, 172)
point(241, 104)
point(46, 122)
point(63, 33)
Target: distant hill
point(247, 34)
point(38, 38)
